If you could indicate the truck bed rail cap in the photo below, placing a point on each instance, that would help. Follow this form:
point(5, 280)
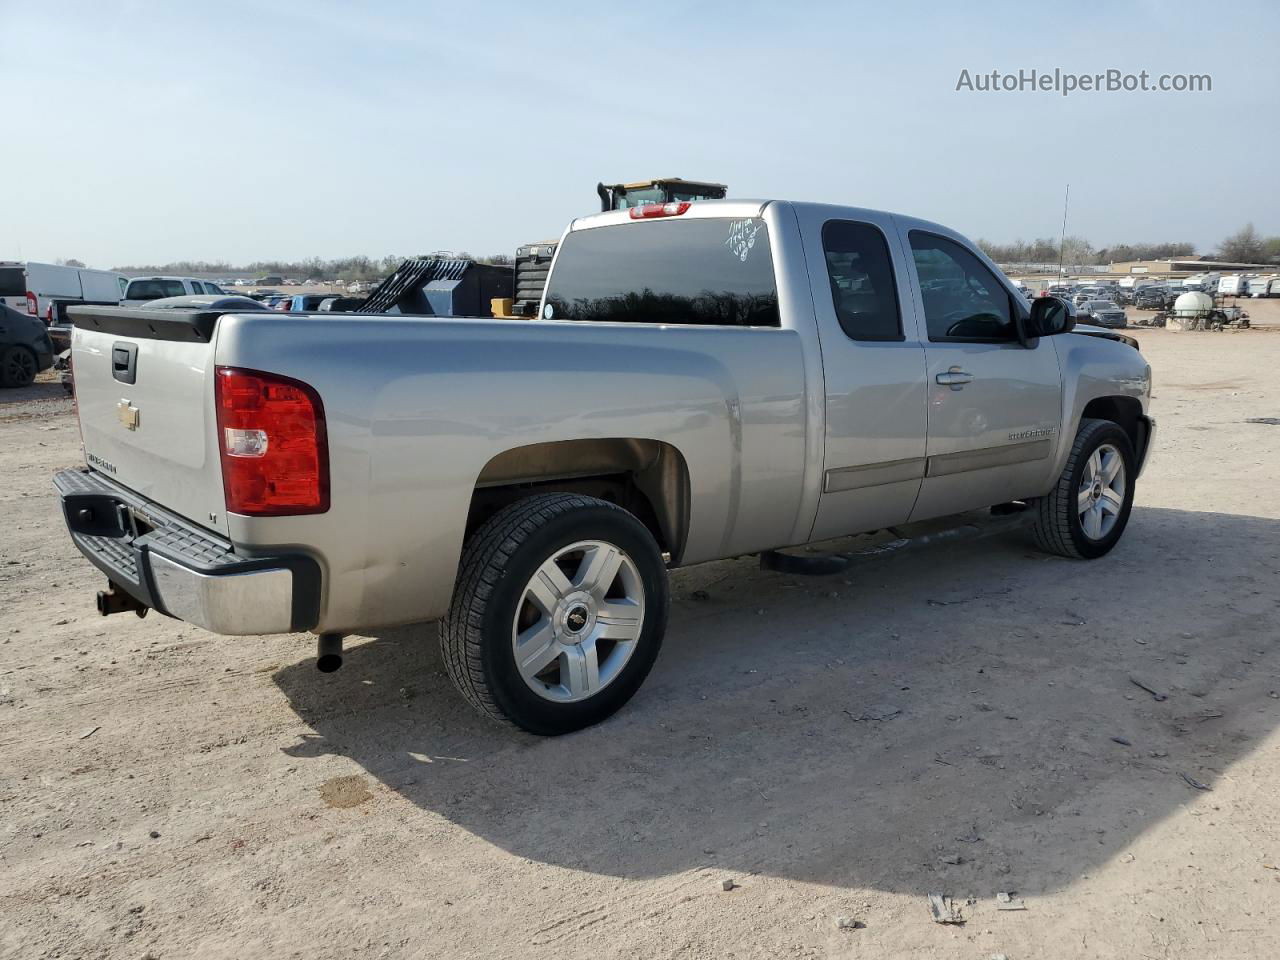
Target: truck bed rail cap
point(182, 325)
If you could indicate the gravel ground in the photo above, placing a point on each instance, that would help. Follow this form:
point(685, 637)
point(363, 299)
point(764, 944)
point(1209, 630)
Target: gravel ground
point(959, 721)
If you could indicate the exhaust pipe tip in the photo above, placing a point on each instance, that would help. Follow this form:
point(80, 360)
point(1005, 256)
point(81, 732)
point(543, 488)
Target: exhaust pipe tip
point(329, 652)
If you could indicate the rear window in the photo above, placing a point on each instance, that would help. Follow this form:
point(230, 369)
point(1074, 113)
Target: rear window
point(700, 272)
point(154, 289)
point(13, 282)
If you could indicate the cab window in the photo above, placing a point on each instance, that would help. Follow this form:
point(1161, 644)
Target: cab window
point(860, 273)
point(700, 271)
point(962, 298)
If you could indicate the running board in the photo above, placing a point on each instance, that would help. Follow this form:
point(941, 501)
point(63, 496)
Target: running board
point(1004, 518)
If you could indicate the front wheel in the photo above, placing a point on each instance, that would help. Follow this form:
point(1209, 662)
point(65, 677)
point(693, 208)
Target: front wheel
point(1085, 513)
point(558, 613)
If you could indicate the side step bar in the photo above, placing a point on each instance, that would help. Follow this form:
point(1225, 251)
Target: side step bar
point(1004, 518)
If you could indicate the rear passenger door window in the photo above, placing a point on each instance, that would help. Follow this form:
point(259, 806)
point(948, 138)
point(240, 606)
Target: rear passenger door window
point(860, 273)
point(962, 299)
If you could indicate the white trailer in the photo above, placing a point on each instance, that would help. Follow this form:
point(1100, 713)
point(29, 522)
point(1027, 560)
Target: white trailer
point(1232, 285)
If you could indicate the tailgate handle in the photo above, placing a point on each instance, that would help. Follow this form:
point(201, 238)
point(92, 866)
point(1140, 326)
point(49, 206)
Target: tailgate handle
point(124, 362)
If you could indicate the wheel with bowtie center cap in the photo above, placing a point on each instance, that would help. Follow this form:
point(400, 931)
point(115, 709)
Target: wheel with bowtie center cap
point(558, 613)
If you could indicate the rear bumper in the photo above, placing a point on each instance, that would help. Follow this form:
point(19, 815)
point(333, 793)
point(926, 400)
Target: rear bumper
point(182, 570)
point(60, 337)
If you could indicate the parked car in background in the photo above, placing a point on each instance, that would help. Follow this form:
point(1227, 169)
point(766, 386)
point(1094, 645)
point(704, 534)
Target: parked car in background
point(144, 289)
point(530, 482)
point(340, 304)
point(304, 302)
point(1150, 298)
point(1104, 313)
point(25, 347)
point(211, 302)
point(31, 287)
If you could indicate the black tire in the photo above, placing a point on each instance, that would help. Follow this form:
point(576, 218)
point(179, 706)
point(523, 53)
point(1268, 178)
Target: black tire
point(497, 562)
point(18, 367)
point(1056, 525)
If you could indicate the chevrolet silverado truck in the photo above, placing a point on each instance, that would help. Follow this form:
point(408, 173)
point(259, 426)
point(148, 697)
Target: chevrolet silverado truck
point(703, 380)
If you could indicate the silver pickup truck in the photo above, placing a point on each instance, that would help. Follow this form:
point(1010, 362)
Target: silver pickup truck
point(703, 381)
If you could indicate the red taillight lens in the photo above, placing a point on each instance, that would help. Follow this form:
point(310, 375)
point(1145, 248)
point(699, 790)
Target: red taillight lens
point(647, 211)
point(33, 304)
point(271, 437)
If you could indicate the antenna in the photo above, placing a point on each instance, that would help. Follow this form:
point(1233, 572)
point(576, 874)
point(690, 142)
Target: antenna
point(1062, 244)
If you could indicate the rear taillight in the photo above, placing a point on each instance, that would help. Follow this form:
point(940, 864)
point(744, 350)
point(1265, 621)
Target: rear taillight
point(647, 211)
point(272, 442)
point(33, 304)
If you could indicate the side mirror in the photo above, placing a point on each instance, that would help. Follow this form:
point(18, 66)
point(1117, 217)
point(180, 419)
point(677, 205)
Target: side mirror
point(1050, 316)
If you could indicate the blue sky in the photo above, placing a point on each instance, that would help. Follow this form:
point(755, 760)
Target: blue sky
point(147, 132)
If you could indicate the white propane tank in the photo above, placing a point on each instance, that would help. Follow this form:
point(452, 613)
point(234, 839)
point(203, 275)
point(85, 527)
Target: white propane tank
point(1189, 308)
point(1192, 304)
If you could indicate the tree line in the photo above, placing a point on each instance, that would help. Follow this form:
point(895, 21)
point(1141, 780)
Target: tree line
point(313, 268)
point(1246, 245)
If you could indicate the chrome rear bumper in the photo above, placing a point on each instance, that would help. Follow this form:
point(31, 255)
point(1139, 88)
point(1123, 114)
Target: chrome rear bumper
point(184, 571)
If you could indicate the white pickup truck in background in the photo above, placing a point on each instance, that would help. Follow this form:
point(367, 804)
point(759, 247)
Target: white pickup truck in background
point(703, 381)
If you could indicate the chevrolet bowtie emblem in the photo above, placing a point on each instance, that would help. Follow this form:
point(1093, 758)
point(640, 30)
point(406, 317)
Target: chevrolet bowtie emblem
point(127, 414)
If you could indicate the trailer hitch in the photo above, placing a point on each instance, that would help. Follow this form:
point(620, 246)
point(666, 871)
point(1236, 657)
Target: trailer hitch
point(115, 600)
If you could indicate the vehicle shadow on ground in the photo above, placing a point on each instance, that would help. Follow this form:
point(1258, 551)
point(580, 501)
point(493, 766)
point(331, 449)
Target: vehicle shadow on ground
point(864, 730)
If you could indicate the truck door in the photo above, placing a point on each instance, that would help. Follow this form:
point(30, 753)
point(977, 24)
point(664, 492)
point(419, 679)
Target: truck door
point(873, 368)
point(994, 405)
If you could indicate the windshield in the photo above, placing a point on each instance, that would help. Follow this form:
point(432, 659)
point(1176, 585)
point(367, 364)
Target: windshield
point(696, 271)
point(1101, 305)
point(154, 289)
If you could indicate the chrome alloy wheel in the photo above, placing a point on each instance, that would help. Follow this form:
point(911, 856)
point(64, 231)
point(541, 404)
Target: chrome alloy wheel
point(578, 621)
point(1102, 491)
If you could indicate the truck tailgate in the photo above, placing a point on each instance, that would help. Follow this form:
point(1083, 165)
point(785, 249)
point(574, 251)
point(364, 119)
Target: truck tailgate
point(144, 395)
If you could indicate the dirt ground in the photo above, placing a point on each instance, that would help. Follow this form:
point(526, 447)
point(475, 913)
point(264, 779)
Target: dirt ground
point(960, 720)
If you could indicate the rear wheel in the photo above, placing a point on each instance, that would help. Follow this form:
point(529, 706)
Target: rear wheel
point(558, 613)
point(18, 367)
point(1085, 514)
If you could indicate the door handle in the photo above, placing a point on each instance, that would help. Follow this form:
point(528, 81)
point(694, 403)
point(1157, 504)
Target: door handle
point(955, 378)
